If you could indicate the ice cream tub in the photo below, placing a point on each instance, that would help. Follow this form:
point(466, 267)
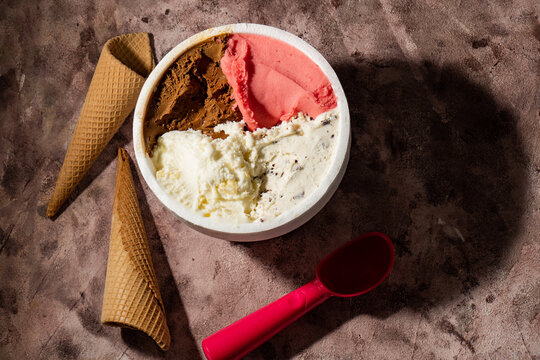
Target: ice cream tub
point(329, 170)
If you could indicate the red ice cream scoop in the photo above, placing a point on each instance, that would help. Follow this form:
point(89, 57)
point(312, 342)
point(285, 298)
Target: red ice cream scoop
point(354, 269)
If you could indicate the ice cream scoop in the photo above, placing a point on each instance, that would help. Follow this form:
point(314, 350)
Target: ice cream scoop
point(354, 269)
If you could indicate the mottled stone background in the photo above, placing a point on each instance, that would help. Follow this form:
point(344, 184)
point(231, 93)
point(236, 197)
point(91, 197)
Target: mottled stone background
point(445, 158)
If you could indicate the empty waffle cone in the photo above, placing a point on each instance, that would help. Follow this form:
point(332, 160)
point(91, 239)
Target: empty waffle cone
point(124, 63)
point(131, 298)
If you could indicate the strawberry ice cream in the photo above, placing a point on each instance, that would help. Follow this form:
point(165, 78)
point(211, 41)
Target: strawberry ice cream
point(273, 81)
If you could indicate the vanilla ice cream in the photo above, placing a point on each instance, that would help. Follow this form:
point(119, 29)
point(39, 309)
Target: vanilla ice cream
point(247, 176)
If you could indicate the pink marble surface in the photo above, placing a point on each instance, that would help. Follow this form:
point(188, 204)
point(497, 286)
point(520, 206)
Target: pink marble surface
point(445, 158)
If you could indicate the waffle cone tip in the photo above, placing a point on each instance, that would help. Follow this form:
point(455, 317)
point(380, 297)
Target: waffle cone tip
point(52, 209)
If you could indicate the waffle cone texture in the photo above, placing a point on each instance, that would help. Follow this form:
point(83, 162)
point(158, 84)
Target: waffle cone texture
point(123, 66)
point(131, 298)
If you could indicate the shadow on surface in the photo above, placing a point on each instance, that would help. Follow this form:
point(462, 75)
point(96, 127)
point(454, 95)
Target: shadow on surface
point(183, 345)
point(436, 164)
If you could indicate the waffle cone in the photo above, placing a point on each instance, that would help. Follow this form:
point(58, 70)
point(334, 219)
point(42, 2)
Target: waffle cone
point(124, 63)
point(131, 298)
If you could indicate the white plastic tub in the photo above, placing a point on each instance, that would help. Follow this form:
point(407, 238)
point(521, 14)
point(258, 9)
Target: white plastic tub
point(287, 221)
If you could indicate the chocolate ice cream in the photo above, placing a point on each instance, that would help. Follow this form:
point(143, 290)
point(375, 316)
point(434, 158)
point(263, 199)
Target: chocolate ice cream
point(193, 94)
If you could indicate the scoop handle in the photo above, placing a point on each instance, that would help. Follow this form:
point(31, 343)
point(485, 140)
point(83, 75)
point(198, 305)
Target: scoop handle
point(240, 338)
